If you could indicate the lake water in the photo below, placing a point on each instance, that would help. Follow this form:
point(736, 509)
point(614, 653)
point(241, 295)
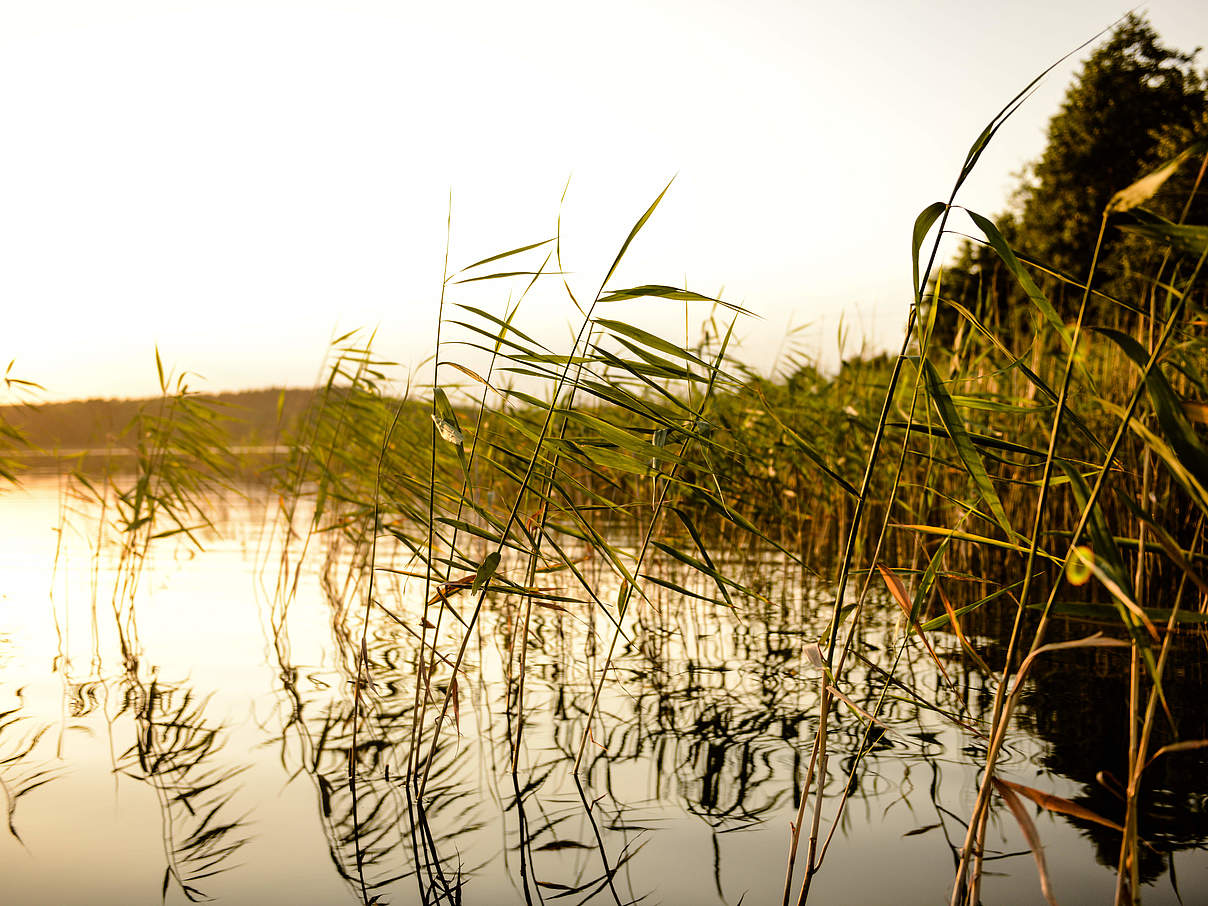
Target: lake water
point(211, 760)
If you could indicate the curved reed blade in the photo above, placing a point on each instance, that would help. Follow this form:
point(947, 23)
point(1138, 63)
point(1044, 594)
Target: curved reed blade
point(1030, 834)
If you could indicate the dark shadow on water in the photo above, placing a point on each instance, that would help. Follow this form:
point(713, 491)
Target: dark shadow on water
point(1078, 704)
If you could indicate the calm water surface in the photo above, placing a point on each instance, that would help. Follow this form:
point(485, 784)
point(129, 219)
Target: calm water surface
point(213, 760)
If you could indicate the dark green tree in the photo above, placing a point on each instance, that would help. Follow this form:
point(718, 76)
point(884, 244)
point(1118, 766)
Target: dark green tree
point(1133, 103)
point(1128, 93)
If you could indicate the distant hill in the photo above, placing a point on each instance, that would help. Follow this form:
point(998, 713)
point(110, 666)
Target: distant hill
point(255, 418)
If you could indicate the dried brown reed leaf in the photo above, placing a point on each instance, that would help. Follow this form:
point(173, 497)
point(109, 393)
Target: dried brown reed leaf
point(1196, 411)
point(1029, 833)
point(559, 565)
point(1147, 186)
point(1111, 783)
point(536, 516)
point(446, 589)
point(851, 704)
point(960, 634)
point(1058, 804)
point(898, 590)
point(473, 375)
point(813, 653)
point(1117, 591)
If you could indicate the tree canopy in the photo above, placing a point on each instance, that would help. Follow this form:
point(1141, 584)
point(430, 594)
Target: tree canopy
point(1133, 104)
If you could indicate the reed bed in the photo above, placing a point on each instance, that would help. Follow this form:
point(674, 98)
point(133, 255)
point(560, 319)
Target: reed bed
point(1047, 469)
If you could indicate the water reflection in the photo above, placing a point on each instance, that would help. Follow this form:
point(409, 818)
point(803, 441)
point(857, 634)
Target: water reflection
point(1079, 706)
point(23, 766)
point(350, 755)
point(693, 759)
point(176, 752)
point(349, 736)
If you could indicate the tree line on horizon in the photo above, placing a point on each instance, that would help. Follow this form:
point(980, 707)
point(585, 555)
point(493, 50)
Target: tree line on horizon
point(249, 418)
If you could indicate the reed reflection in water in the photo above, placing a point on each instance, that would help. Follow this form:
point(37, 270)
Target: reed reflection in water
point(231, 749)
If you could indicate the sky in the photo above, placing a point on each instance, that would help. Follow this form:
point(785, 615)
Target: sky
point(235, 183)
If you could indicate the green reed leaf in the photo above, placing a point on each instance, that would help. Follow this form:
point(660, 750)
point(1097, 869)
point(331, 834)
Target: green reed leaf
point(1167, 406)
point(668, 292)
point(1195, 489)
point(704, 553)
point(507, 254)
point(965, 449)
point(1185, 238)
point(922, 225)
point(648, 339)
point(506, 327)
point(1004, 252)
point(502, 275)
point(445, 419)
point(1102, 540)
point(637, 228)
point(656, 290)
point(485, 572)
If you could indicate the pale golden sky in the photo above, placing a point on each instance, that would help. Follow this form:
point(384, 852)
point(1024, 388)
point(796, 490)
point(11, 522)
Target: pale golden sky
point(236, 181)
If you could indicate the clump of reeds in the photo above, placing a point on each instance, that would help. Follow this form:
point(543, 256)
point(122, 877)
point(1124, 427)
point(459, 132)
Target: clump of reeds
point(173, 467)
point(1038, 468)
point(1049, 464)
